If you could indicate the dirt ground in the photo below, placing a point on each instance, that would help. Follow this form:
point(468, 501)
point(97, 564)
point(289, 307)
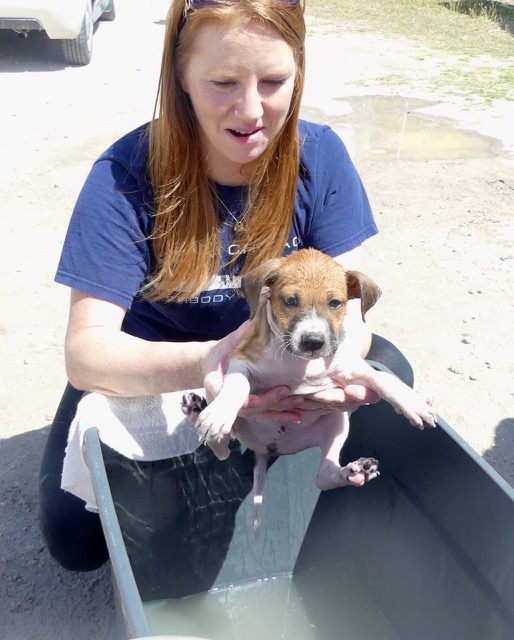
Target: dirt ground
point(439, 172)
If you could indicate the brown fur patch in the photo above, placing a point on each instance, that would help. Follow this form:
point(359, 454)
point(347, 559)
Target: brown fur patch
point(315, 280)
point(312, 278)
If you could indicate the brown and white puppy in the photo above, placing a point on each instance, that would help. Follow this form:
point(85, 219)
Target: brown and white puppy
point(298, 338)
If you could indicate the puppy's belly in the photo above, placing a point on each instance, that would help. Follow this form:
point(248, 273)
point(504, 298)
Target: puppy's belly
point(301, 376)
point(271, 439)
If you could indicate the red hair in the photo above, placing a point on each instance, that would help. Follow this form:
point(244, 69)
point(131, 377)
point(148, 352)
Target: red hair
point(186, 241)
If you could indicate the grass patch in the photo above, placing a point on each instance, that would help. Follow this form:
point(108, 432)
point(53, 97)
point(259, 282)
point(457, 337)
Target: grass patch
point(475, 33)
point(434, 23)
point(490, 83)
point(388, 79)
point(498, 12)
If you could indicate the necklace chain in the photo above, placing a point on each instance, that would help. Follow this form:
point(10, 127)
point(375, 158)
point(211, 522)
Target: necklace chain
point(235, 223)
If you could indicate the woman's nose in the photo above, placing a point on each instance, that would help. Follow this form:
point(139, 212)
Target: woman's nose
point(249, 105)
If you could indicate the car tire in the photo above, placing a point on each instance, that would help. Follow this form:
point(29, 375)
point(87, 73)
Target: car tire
point(109, 14)
point(79, 51)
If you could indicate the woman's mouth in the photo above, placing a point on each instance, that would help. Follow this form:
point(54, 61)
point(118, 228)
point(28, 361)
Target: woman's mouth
point(244, 134)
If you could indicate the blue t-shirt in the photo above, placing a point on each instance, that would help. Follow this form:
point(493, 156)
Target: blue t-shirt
point(107, 253)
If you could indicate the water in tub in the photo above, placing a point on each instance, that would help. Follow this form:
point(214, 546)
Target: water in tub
point(314, 605)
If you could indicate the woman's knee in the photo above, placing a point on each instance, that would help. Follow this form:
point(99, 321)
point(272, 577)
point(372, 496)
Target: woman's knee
point(73, 536)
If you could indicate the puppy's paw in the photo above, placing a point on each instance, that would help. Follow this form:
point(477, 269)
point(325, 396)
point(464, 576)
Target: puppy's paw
point(361, 471)
point(192, 405)
point(417, 410)
point(428, 415)
point(214, 423)
point(422, 415)
point(357, 473)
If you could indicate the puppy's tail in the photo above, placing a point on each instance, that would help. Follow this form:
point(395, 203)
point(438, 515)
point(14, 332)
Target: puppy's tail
point(259, 476)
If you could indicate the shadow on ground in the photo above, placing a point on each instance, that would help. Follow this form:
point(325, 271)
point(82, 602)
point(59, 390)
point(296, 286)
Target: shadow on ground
point(36, 52)
point(501, 455)
point(37, 597)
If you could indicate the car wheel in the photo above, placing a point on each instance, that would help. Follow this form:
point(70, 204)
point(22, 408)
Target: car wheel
point(80, 50)
point(110, 13)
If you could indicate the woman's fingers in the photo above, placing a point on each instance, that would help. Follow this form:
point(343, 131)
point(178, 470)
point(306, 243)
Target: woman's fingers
point(345, 399)
point(217, 361)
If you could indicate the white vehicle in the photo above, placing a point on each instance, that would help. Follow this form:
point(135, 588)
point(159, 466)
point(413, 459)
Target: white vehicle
point(71, 21)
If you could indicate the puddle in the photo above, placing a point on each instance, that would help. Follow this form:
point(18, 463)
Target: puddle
point(394, 128)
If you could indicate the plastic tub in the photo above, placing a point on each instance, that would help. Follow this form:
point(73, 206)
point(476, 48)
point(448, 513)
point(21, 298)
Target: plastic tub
point(424, 551)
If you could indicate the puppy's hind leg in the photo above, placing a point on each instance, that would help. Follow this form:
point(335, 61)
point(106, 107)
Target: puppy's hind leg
point(330, 473)
point(259, 476)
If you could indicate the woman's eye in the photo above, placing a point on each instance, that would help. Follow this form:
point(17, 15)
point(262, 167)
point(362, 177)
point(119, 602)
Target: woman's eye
point(274, 82)
point(223, 84)
point(335, 304)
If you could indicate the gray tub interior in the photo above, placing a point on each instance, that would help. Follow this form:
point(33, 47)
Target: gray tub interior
point(424, 551)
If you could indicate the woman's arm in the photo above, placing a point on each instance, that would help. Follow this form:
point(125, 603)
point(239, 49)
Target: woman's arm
point(100, 357)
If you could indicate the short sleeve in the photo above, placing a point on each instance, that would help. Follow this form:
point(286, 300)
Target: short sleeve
point(106, 252)
point(332, 202)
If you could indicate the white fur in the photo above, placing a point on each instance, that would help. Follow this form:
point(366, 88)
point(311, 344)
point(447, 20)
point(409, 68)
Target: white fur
point(303, 376)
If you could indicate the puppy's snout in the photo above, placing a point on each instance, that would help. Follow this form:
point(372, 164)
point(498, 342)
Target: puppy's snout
point(312, 341)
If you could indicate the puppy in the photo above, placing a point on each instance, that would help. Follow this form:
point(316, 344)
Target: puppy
point(298, 338)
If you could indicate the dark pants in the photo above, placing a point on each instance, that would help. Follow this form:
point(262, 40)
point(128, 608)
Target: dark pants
point(73, 535)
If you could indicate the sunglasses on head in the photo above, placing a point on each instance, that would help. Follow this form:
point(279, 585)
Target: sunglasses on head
point(193, 5)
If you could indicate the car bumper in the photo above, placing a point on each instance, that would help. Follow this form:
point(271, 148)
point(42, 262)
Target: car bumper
point(61, 19)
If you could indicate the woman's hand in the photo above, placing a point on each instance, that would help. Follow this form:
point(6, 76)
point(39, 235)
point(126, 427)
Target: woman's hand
point(277, 404)
point(274, 406)
point(349, 399)
point(216, 361)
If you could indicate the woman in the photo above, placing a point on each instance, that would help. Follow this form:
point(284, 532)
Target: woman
point(174, 212)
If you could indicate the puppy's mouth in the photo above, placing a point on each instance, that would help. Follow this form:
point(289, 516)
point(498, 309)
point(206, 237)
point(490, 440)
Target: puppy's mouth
point(311, 346)
point(305, 355)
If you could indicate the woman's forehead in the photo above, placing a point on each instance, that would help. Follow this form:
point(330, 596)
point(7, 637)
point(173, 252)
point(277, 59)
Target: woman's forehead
point(255, 30)
point(229, 44)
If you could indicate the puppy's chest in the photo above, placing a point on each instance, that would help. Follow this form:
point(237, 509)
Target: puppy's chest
point(301, 376)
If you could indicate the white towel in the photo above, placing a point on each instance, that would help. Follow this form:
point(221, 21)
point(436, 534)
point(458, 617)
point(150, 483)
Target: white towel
point(146, 428)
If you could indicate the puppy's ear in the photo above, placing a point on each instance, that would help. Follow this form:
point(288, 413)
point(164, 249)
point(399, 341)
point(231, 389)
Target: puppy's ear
point(363, 287)
point(257, 282)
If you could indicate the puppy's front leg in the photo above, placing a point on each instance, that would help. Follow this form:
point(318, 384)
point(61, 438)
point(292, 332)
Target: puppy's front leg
point(215, 422)
point(403, 399)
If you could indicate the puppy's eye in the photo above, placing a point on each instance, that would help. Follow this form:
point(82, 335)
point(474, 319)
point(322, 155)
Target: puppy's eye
point(290, 301)
point(335, 304)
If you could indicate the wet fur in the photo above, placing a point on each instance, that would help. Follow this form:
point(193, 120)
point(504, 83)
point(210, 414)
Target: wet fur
point(311, 276)
point(298, 338)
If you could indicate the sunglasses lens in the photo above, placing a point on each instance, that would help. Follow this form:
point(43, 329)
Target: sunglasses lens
point(199, 4)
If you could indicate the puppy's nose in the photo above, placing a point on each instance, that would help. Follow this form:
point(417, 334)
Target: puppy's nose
point(312, 341)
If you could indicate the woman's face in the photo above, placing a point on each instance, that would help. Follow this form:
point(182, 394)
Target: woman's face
point(240, 79)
